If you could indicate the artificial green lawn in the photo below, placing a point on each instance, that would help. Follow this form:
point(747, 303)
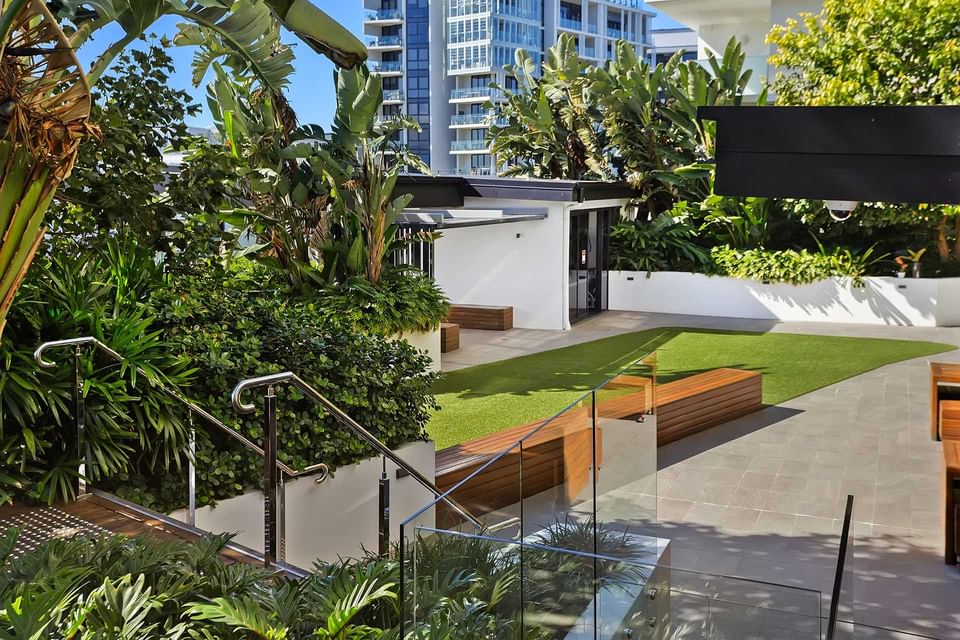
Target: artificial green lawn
point(490, 397)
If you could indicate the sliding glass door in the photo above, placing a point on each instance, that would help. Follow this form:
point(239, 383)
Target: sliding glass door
point(589, 261)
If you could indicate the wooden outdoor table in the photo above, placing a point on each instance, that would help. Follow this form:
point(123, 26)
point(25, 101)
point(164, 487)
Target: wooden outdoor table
point(940, 374)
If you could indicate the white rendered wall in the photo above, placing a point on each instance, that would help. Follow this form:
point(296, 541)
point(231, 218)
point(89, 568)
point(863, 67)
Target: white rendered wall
point(518, 264)
point(428, 341)
point(923, 302)
point(336, 518)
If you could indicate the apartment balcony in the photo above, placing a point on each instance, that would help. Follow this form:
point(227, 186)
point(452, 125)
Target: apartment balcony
point(385, 42)
point(473, 171)
point(475, 94)
point(386, 67)
point(469, 8)
point(572, 25)
point(590, 52)
point(392, 95)
point(385, 16)
point(475, 120)
point(614, 33)
point(592, 28)
point(469, 146)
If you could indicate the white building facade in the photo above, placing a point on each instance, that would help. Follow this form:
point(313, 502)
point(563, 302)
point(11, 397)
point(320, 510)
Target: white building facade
point(438, 59)
point(714, 22)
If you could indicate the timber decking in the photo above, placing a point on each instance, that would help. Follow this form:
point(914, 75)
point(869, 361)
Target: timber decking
point(92, 515)
point(476, 316)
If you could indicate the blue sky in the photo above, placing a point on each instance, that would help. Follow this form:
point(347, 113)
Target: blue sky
point(311, 87)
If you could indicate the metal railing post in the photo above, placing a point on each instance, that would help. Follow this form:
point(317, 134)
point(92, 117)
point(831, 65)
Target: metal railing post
point(384, 513)
point(79, 417)
point(270, 479)
point(192, 476)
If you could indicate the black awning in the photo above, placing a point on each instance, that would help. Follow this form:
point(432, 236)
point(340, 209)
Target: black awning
point(450, 191)
point(866, 154)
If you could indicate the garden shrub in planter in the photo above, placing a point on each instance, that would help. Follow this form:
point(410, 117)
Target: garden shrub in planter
point(200, 334)
point(230, 330)
point(790, 266)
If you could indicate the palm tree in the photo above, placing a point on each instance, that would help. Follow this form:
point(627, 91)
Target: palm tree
point(45, 94)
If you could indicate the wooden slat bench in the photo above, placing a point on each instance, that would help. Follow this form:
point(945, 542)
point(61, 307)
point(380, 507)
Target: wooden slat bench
point(449, 337)
point(951, 486)
point(706, 400)
point(944, 386)
point(949, 419)
point(476, 316)
point(560, 453)
point(557, 455)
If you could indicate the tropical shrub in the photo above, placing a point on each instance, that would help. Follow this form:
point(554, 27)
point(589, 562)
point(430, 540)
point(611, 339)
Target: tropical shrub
point(400, 303)
point(120, 185)
point(201, 334)
point(791, 266)
point(148, 589)
point(668, 242)
point(145, 588)
point(650, 117)
point(869, 52)
point(239, 324)
point(128, 422)
point(322, 206)
point(48, 92)
point(551, 125)
point(743, 223)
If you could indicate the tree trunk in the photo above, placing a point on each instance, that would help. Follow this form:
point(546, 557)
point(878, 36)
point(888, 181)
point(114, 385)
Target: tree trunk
point(47, 101)
point(956, 237)
point(943, 248)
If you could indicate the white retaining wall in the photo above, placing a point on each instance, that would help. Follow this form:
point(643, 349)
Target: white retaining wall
point(428, 341)
point(922, 302)
point(335, 518)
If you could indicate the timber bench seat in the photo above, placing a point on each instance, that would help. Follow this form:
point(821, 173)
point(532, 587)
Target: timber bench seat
point(706, 400)
point(559, 454)
point(477, 316)
point(449, 337)
point(944, 388)
point(949, 419)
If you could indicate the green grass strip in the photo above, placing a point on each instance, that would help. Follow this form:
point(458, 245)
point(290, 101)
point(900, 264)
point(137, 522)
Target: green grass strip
point(495, 396)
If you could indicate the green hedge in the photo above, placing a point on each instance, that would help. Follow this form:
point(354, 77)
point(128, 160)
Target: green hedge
point(790, 266)
point(200, 333)
point(229, 330)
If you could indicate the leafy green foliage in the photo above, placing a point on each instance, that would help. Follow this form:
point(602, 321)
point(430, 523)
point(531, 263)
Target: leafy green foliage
point(650, 115)
point(870, 52)
point(128, 421)
point(552, 123)
point(792, 267)
point(740, 222)
point(401, 302)
point(112, 190)
point(230, 327)
point(147, 589)
point(668, 242)
point(628, 121)
point(323, 207)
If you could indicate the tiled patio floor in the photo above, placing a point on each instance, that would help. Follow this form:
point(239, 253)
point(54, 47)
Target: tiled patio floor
point(761, 497)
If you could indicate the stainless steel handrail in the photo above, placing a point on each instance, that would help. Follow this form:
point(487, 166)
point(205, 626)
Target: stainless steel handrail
point(192, 407)
point(350, 423)
point(205, 415)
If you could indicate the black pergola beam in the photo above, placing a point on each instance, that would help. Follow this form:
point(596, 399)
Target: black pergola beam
point(866, 154)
